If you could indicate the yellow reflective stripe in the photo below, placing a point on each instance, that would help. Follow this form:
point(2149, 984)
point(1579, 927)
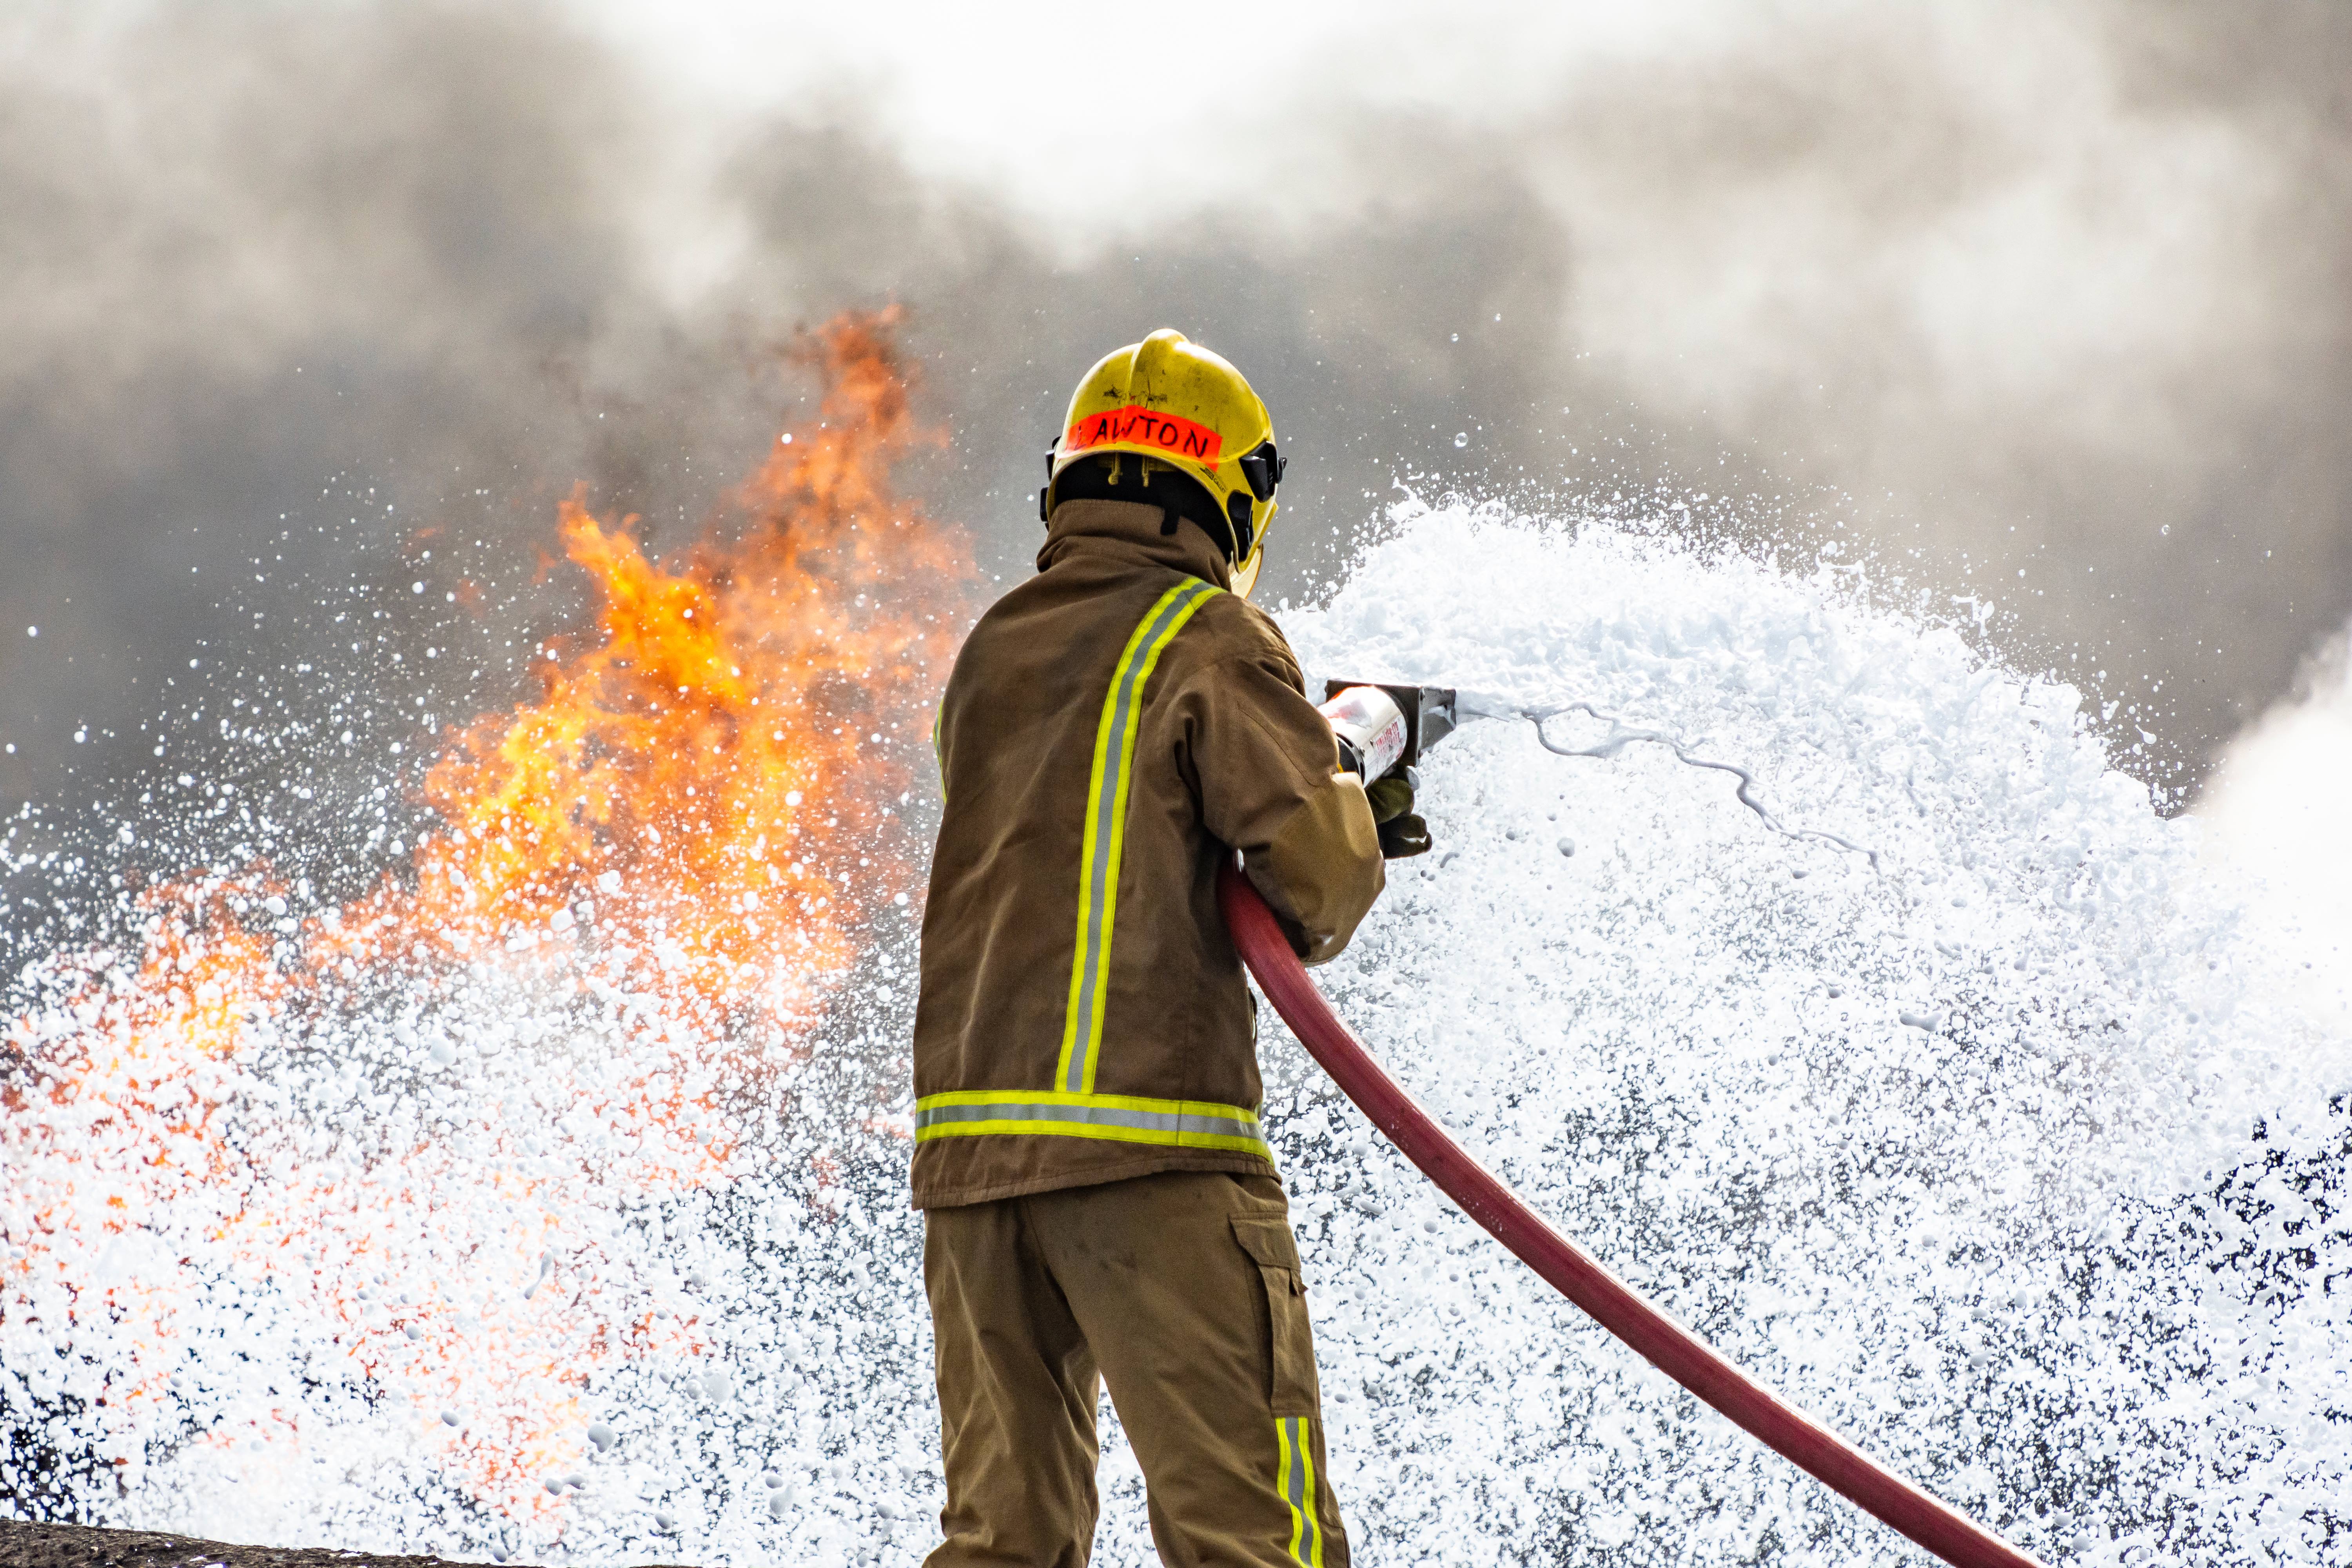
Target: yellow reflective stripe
point(1282, 1479)
point(1064, 1097)
point(1294, 1469)
point(1306, 1495)
point(1116, 1118)
point(1102, 1134)
point(938, 718)
point(1106, 790)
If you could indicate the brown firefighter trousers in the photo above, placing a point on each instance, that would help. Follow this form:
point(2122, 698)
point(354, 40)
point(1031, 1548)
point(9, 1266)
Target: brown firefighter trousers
point(1182, 1291)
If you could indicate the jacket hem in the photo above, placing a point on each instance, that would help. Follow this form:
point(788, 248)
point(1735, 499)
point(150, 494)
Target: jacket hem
point(1093, 1176)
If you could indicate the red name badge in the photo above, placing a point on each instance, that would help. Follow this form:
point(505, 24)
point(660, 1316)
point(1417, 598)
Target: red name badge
point(1140, 426)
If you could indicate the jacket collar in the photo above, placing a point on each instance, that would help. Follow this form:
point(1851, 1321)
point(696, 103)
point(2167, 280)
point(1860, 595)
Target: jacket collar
point(1125, 531)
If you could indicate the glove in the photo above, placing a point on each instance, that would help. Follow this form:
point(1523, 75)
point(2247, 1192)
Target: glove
point(1402, 834)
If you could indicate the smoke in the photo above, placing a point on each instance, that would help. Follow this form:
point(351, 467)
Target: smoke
point(2274, 811)
point(293, 291)
point(2056, 295)
point(2040, 311)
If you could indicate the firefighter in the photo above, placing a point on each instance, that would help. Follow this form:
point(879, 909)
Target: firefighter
point(1100, 1206)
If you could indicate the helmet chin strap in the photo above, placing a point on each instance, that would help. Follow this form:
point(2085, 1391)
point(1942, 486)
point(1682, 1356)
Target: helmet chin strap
point(1238, 533)
point(1153, 482)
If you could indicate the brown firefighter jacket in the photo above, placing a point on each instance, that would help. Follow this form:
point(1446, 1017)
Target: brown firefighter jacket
point(1114, 727)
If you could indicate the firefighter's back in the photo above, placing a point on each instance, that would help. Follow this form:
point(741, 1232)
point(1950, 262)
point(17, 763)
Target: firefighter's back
point(1111, 726)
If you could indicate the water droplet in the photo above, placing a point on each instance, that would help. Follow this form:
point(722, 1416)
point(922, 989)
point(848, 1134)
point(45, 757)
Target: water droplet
point(1462, 437)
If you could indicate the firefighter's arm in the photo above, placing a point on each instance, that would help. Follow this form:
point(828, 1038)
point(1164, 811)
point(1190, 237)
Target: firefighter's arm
point(1269, 775)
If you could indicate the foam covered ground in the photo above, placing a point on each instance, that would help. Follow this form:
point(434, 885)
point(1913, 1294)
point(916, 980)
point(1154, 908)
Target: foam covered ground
point(2001, 1155)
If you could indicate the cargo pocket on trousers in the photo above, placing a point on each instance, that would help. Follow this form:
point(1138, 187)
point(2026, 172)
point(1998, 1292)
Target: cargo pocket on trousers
point(1291, 1347)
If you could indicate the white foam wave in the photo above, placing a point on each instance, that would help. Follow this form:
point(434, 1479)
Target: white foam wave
point(1960, 1149)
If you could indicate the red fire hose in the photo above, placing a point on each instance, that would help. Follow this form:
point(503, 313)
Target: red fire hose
point(1666, 1344)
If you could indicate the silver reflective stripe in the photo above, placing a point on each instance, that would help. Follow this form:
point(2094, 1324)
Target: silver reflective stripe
point(1178, 1124)
point(1107, 793)
point(1296, 1458)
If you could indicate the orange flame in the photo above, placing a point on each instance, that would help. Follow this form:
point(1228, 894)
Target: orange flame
point(695, 823)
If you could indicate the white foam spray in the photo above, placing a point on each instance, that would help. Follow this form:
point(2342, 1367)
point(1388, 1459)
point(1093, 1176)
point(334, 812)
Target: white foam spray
point(1998, 1151)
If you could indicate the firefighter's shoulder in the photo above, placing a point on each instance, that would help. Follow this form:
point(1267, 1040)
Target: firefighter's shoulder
point(1229, 627)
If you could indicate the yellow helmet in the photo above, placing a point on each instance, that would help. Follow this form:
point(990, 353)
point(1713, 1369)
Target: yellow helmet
point(1172, 401)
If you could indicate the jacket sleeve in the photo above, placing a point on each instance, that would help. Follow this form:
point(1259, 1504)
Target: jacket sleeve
point(1268, 773)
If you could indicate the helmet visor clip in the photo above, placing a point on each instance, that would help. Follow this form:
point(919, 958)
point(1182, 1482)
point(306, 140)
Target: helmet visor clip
point(1262, 469)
